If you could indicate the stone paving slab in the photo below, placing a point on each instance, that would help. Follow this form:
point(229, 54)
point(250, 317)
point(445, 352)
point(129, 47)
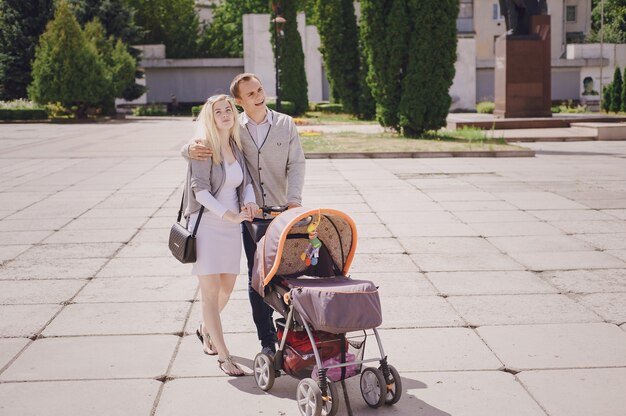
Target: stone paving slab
point(144, 266)
point(620, 254)
point(9, 347)
point(70, 251)
point(416, 217)
point(21, 292)
point(591, 227)
point(465, 262)
point(33, 224)
point(23, 237)
point(138, 289)
point(521, 309)
point(526, 347)
point(378, 245)
point(489, 283)
point(587, 281)
point(119, 319)
point(605, 241)
point(10, 252)
point(617, 213)
point(60, 398)
point(59, 268)
point(383, 263)
point(568, 260)
point(419, 312)
point(610, 306)
point(539, 244)
point(570, 215)
point(443, 229)
point(104, 357)
point(25, 320)
point(395, 284)
point(93, 236)
point(519, 228)
point(451, 245)
point(578, 392)
point(494, 216)
point(454, 206)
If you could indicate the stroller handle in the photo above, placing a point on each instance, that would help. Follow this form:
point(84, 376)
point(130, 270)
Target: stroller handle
point(273, 210)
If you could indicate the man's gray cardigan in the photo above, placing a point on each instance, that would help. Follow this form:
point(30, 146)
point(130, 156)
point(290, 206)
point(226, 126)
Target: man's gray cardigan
point(277, 167)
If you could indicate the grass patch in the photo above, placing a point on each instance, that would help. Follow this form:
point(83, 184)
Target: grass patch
point(348, 142)
point(318, 117)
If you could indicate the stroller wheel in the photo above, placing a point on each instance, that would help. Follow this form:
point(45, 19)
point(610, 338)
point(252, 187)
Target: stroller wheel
point(395, 391)
point(264, 373)
point(309, 398)
point(373, 387)
point(330, 407)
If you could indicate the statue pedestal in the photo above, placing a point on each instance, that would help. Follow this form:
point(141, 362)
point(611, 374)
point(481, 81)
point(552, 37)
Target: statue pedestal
point(523, 72)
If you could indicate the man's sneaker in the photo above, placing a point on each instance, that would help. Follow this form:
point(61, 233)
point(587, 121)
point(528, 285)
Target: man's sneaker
point(269, 351)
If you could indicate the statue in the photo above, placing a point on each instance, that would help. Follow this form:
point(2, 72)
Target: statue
point(517, 14)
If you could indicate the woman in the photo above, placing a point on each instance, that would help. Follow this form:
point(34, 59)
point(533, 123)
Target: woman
point(221, 186)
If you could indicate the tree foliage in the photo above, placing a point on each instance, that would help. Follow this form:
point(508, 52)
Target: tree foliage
point(336, 24)
point(116, 16)
point(173, 23)
point(21, 24)
point(292, 76)
point(616, 91)
point(223, 37)
point(614, 21)
point(411, 50)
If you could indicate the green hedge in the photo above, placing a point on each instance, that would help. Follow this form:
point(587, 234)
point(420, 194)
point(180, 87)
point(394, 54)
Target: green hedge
point(150, 110)
point(286, 107)
point(23, 114)
point(330, 108)
point(195, 110)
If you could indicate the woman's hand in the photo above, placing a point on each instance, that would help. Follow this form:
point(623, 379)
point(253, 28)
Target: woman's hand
point(252, 209)
point(238, 218)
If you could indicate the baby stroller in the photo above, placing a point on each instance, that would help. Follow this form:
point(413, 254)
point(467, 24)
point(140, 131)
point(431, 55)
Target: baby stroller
point(301, 271)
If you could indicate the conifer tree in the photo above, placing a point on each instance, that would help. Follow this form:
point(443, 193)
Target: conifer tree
point(292, 76)
point(21, 24)
point(616, 91)
point(624, 91)
point(67, 68)
point(607, 93)
point(336, 24)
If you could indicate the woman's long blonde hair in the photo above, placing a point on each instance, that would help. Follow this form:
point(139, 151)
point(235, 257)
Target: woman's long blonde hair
point(211, 138)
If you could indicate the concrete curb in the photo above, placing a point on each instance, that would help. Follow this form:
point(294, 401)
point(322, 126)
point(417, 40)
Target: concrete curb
point(417, 155)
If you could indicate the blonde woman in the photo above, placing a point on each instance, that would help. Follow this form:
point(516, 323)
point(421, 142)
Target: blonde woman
point(222, 186)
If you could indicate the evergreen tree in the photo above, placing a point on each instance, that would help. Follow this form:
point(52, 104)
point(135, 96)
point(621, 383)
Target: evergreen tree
point(292, 77)
point(223, 38)
point(21, 24)
point(384, 29)
point(119, 64)
point(616, 91)
point(116, 16)
point(431, 53)
point(173, 23)
point(607, 93)
point(336, 23)
point(624, 91)
point(67, 68)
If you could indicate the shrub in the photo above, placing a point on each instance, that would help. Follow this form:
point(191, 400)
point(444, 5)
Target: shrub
point(486, 107)
point(150, 110)
point(195, 110)
point(286, 107)
point(607, 94)
point(21, 110)
point(616, 91)
point(330, 108)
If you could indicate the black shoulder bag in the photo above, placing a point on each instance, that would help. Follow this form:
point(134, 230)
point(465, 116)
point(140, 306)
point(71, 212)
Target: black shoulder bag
point(182, 243)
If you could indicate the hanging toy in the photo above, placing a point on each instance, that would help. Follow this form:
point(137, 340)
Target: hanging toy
point(312, 252)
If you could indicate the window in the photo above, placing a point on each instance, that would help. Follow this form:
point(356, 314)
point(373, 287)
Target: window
point(496, 15)
point(466, 9)
point(570, 13)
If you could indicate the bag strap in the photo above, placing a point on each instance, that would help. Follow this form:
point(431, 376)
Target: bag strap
point(180, 212)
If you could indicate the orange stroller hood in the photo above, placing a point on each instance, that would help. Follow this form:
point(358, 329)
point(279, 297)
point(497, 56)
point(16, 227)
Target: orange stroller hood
point(287, 239)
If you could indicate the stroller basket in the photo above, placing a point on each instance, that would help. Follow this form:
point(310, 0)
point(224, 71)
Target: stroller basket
point(299, 358)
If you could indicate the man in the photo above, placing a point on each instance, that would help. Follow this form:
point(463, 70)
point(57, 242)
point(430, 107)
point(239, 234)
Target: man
point(275, 159)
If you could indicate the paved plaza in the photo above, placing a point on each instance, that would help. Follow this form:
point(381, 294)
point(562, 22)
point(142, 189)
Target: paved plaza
point(502, 280)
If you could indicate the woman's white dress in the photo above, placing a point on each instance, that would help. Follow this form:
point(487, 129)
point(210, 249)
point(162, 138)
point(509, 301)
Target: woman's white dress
point(218, 241)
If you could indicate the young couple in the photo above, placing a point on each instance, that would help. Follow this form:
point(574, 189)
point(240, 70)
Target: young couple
point(238, 162)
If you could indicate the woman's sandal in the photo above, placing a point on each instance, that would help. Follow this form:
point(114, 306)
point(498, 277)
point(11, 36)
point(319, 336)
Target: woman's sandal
point(209, 348)
point(236, 371)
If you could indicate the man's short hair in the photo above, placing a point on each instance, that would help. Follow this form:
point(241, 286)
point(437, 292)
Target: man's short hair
point(234, 85)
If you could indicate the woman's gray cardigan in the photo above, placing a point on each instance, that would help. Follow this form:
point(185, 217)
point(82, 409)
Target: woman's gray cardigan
point(204, 175)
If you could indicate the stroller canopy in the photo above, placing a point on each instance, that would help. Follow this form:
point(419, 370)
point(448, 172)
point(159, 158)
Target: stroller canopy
point(287, 240)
